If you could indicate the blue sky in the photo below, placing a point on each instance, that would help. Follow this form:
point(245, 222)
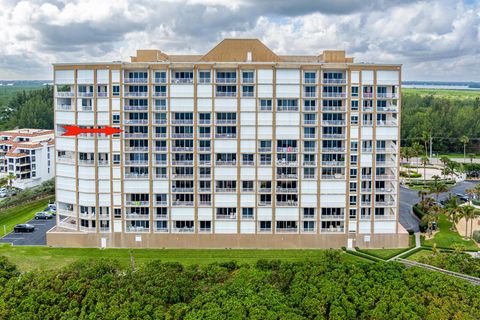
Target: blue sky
point(434, 40)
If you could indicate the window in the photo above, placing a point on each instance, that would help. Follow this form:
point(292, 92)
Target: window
point(265, 226)
point(248, 91)
point(287, 105)
point(248, 77)
point(354, 119)
point(115, 118)
point(115, 91)
point(310, 76)
point(247, 213)
point(205, 226)
point(353, 187)
point(308, 213)
point(265, 105)
point(117, 212)
point(247, 159)
point(354, 105)
point(116, 159)
point(353, 173)
point(247, 186)
point(204, 76)
point(353, 200)
point(355, 91)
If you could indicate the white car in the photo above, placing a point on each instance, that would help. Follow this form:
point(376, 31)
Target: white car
point(3, 194)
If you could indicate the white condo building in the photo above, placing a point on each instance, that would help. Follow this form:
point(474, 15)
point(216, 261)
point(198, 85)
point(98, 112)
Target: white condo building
point(29, 155)
point(239, 147)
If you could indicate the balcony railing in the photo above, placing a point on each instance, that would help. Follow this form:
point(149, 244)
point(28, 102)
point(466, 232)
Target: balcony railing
point(135, 80)
point(135, 108)
point(334, 81)
point(334, 94)
point(135, 94)
point(65, 94)
point(136, 175)
point(226, 80)
point(225, 94)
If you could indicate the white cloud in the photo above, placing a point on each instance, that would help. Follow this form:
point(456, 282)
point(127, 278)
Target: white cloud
point(433, 39)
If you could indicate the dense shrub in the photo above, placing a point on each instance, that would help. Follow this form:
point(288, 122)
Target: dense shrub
point(417, 209)
point(453, 261)
point(328, 288)
point(45, 189)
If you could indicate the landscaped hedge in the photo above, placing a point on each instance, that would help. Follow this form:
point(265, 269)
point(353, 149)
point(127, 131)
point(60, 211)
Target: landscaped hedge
point(44, 190)
point(476, 236)
point(417, 210)
point(472, 170)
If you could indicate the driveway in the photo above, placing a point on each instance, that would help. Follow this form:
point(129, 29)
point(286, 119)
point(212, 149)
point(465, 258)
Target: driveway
point(35, 238)
point(409, 197)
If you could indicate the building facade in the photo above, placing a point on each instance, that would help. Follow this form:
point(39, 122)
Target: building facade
point(29, 155)
point(239, 147)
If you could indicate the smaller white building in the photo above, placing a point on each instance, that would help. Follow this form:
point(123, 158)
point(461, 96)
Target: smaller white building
point(29, 155)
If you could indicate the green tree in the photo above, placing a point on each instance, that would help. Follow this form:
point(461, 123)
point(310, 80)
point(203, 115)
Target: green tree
point(424, 160)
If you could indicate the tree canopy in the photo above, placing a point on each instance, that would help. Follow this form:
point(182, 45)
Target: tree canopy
point(328, 288)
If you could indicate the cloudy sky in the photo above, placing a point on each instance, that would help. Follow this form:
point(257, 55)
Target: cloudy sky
point(434, 40)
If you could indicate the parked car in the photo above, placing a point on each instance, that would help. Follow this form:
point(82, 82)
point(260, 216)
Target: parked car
point(25, 227)
point(43, 216)
point(50, 210)
point(462, 197)
point(52, 206)
point(3, 194)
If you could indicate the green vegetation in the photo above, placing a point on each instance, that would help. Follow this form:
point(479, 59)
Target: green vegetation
point(449, 260)
point(27, 109)
point(46, 189)
point(30, 258)
point(324, 288)
point(447, 238)
point(20, 214)
point(384, 254)
point(446, 114)
point(442, 93)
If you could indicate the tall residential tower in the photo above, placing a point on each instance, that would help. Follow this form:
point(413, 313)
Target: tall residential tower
point(239, 147)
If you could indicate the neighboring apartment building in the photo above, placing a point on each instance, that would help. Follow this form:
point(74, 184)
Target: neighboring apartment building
point(239, 147)
point(29, 154)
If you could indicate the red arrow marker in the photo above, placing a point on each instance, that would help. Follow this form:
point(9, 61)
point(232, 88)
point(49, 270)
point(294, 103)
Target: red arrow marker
point(76, 130)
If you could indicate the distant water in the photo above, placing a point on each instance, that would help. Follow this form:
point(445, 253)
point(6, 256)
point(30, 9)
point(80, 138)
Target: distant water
point(438, 86)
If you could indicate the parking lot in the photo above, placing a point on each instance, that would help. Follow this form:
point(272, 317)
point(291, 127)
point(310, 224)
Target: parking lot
point(35, 238)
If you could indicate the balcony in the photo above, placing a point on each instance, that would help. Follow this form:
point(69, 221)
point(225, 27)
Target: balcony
point(226, 121)
point(85, 94)
point(387, 123)
point(385, 217)
point(182, 135)
point(182, 149)
point(182, 176)
point(182, 190)
point(64, 107)
point(288, 203)
point(287, 149)
point(135, 80)
point(264, 203)
point(333, 177)
point(333, 135)
point(135, 94)
point(387, 109)
point(285, 163)
point(225, 135)
point(160, 135)
point(384, 203)
point(182, 121)
point(341, 95)
point(333, 163)
point(65, 94)
point(225, 162)
point(285, 176)
point(177, 203)
point(160, 80)
point(102, 94)
point(286, 230)
point(387, 96)
point(286, 190)
point(133, 203)
point(225, 94)
point(136, 135)
point(160, 149)
point(333, 150)
point(384, 177)
point(334, 81)
point(332, 217)
point(135, 176)
point(182, 162)
point(226, 80)
point(182, 80)
point(334, 108)
point(136, 162)
point(265, 149)
point(367, 95)
point(332, 229)
point(333, 122)
point(135, 121)
point(160, 121)
point(135, 108)
point(204, 149)
point(183, 230)
point(159, 94)
point(204, 121)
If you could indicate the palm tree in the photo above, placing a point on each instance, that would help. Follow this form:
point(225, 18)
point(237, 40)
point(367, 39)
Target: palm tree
point(11, 177)
point(429, 218)
point(416, 150)
point(437, 188)
point(452, 166)
point(422, 194)
point(425, 139)
point(453, 211)
point(474, 216)
point(464, 140)
point(467, 214)
point(424, 161)
point(444, 160)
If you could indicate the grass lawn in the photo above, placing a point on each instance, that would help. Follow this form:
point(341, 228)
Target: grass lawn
point(31, 258)
point(417, 256)
point(447, 238)
point(20, 214)
point(445, 93)
point(386, 254)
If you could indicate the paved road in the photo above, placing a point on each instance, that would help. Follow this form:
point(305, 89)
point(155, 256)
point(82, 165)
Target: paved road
point(409, 197)
point(35, 238)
